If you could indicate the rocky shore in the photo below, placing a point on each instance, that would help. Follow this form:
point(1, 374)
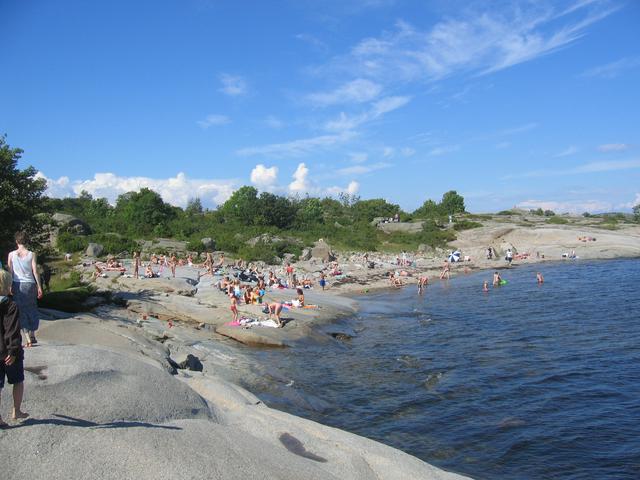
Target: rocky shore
point(148, 384)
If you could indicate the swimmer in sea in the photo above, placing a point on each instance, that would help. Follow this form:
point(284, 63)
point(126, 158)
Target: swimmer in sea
point(485, 286)
point(496, 279)
point(539, 278)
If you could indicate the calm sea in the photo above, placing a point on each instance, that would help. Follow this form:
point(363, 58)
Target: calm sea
point(526, 381)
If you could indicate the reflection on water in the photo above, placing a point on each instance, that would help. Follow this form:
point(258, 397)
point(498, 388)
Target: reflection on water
point(524, 381)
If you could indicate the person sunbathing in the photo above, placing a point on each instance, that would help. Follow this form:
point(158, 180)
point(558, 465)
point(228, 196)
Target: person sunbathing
point(300, 297)
point(149, 273)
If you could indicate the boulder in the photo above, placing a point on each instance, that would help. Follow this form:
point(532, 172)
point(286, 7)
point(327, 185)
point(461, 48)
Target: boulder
point(305, 255)
point(190, 362)
point(209, 243)
point(264, 238)
point(71, 224)
point(376, 221)
point(322, 251)
point(288, 257)
point(94, 250)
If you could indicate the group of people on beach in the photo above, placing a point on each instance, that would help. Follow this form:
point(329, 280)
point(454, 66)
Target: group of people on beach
point(20, 289)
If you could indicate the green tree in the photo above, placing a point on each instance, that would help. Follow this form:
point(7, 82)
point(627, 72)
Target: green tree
point(636, 213)
point(21, 198)
point(274, 210)
point(194, 207)
point(367, 210)
point(311, 212)
point(242, 206)
point(143, 212)
point(429, 209)
point(452, 203)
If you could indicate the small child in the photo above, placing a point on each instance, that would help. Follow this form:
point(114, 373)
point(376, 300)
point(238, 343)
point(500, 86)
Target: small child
point(11, 352)
point(323, 281)
point(539, 278)
point(234, 306)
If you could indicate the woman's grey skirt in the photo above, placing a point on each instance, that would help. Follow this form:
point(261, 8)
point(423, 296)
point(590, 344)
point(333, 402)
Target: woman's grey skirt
point(25, 294)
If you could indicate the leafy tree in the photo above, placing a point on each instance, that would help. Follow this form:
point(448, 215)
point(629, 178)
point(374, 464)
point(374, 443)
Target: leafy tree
point(143, 212)
point(311, 210)
point(429, 209)
point(21, 198)
point(242, 206)
point(636, 213)
point(274, 210)
point(452, 203)
point(367, 210)
point(549, 213)
point(194, 207)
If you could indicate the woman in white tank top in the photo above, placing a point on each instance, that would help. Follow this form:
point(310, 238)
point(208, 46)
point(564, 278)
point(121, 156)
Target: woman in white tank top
point(26, 287)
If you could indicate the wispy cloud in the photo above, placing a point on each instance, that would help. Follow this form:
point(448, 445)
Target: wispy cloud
point(297, 148)
point(312, 40)
point(232, 85)
point(355, 91)
point(592, 167)
point(477, 41)
point(516, 130)
point(570, 150)
point(613, 69)
point(346, 122)
point(443, 150)
point(613, 147)
point(362, 169)
point(213, 120)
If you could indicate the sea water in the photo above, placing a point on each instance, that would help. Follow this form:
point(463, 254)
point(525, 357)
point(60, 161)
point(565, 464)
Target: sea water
point(525, 381)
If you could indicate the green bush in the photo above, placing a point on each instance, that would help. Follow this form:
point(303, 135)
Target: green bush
point(557, 220)
point(506, 212)
point(67, 242)
point(113, 243)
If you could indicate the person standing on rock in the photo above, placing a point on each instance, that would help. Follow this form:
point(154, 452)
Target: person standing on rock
point(173, 262)
point(26, 287)
point(11, 352)
point(136, 265)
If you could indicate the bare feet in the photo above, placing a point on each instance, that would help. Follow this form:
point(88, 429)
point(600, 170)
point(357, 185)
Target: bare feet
point(20, 415)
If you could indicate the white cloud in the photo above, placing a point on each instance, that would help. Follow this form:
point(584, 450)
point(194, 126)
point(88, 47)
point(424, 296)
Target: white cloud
point(232, 85)
point(362, 169)
point(443, 150)
point(174, 190)
point(263, 177)
point(476, 40)
point(613, 147)
point(388, 152)
point(570, 150)
point(345, 122)
point(576, 207)
point(613, 69)
point(352, 189)
point(213, 120)
point(297, 148)
point(300, 182)
point(355, 91)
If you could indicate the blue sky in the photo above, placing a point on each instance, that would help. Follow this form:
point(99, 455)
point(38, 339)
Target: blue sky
point(509, 103)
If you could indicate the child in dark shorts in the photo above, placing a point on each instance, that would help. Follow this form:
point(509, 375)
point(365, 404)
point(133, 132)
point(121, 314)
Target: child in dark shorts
point(11, 352)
